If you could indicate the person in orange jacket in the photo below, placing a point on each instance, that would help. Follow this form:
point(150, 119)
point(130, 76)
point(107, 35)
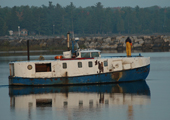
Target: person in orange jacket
point(128, 46)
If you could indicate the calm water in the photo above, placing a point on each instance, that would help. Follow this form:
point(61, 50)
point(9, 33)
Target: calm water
point(141, 100)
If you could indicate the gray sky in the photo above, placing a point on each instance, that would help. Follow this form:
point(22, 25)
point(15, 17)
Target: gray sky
point(85, 3)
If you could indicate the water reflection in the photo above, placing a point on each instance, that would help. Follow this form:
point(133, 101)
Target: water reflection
point(80, 98)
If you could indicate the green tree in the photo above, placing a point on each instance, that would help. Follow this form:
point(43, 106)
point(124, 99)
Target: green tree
point(26, 18)
point(55, 19)
point(12, 19)
point(108, 21)
point(59, 19)
point(5, 29)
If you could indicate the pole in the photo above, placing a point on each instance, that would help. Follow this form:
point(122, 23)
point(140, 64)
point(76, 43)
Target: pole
point(68, 45)
point(28, 51)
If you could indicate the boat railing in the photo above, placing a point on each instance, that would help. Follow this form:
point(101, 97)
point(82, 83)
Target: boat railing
point(120, 56)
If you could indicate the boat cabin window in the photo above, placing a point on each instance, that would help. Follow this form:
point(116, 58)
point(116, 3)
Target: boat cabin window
point(85, 55)
point(90, 64)
point(94, 54)
point(105, 63)
point(79, 64)
point(44, 67)
point(64, 65)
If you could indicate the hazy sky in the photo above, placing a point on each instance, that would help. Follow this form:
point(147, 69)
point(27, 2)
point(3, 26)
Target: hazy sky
point(85, 3)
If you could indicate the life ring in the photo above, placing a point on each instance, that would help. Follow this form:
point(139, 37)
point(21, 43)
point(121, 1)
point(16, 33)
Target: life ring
point(59, 57)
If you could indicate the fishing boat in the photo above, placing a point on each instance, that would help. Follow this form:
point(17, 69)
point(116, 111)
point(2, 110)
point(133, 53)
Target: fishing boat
point(80, 66)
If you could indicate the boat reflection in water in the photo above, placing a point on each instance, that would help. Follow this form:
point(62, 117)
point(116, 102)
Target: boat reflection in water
point(86, 96)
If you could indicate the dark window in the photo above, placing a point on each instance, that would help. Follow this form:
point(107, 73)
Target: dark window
point(90, 64)
point(79, 64)
point(105, 63)
point(64, 65)
point(85, 55)
point(94, 54)
point(45, 67)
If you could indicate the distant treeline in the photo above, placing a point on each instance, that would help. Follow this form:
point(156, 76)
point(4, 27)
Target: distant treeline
point(58, 20)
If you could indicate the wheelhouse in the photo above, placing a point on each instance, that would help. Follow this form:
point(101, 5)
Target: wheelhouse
point(88, 53)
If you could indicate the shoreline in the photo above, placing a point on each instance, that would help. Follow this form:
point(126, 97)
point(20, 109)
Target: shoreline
point(37, 52)
point(143, 43)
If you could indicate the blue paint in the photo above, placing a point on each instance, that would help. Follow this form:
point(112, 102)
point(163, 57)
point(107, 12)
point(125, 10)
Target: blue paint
point(138, 87)
point(111, 77)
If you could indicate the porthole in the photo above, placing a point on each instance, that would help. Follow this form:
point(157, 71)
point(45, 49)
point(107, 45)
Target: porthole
point(29, 67)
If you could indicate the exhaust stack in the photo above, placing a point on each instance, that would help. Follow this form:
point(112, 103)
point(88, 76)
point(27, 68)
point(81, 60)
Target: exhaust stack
point(68, 38)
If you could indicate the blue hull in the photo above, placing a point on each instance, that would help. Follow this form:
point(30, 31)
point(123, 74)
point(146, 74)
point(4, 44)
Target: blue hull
point(111, 77)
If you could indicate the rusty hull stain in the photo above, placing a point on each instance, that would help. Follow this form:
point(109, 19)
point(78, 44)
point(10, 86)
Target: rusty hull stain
point(100, 66)
point(96, 62)
point(116, 75)
point(141, 70)
point(65, 79)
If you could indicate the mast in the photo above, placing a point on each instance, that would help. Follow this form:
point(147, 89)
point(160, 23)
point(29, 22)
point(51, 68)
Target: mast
point(68, 40)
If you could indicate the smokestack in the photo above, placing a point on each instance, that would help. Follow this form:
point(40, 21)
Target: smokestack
point(68, 45)
point(28, 51)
